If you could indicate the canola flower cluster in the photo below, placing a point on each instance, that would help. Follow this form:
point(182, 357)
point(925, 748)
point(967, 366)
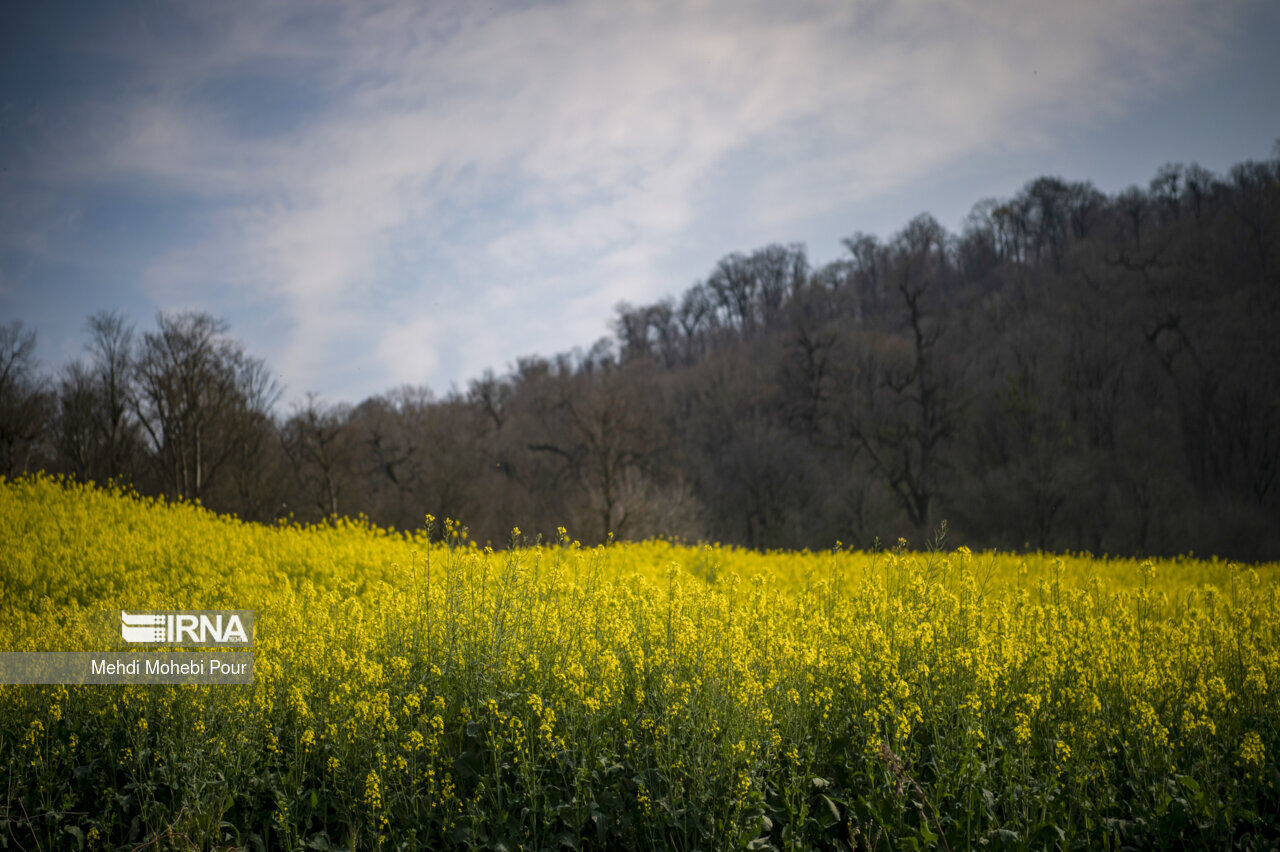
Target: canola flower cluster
point(415, 692)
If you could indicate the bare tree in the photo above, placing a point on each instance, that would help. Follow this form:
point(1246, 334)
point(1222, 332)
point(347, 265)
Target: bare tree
point(254, 465)
point(97, 433)
point(318, 441)
point(200, 399)
point(24, 406)
point(594, 427)
point(111, 350)
point(76, 436)
point(905, 406)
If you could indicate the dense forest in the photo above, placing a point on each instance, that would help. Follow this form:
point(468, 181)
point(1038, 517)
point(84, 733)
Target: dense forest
point(1072, 371)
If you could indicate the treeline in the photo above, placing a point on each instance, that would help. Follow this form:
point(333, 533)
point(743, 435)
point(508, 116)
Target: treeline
point(1072, 371)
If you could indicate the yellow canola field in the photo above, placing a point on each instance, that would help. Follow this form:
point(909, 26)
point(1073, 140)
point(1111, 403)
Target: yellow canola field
point(410, 692)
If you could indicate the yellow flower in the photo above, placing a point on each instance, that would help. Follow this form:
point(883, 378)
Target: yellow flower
point(1252, 752)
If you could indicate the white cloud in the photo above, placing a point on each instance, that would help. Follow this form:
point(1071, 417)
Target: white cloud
point(476, 185)
point(408, 349)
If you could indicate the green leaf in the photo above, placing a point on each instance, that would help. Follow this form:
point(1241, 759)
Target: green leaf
point(1003, 836)
point(834, 810)
point(1047, 834)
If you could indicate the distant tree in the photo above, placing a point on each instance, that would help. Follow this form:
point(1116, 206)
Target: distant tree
point(807, 372)
point(76, 435)
point(695, 318)
point(256, 464)
point(111, 367)
point(1255, 201)
point(318, 440)
point(201, 400)
point(97, 433)
point(904, 403)
point(749, 290)
point(24, 406)
point(595, 429)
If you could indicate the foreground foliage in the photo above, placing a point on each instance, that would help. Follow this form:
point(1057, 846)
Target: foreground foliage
point(413, 694)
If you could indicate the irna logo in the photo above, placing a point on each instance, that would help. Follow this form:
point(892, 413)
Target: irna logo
point(213, 627)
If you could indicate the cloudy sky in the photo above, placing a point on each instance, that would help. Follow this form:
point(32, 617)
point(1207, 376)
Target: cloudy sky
point(376, 193)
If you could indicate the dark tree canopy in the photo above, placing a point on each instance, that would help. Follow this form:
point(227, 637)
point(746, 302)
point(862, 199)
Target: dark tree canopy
point(1072, 371)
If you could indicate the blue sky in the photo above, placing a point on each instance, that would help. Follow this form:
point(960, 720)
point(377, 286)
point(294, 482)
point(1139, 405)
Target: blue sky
point(380, 193)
